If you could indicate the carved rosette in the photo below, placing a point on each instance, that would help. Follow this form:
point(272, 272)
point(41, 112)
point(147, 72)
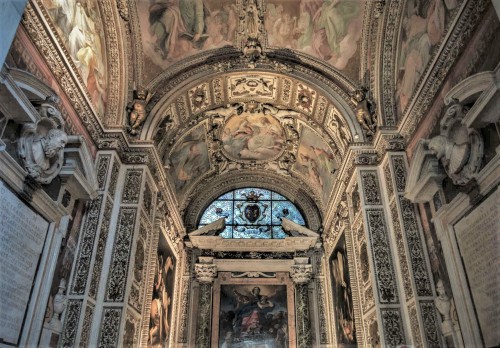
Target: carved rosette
point(205, 273)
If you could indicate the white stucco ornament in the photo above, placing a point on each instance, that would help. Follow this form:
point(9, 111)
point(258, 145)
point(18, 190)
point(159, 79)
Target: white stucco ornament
point(41, 144)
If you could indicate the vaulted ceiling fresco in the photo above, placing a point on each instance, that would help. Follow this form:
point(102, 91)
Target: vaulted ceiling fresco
point(269, 88)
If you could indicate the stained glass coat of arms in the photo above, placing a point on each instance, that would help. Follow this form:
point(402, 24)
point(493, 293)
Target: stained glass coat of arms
point(252, 213)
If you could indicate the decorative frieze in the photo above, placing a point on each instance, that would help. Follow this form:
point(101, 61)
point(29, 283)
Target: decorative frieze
point(117, 277)
point(115, 170)
point(110, 327)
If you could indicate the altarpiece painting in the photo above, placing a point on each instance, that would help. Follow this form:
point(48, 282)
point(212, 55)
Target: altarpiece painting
point(253, 312)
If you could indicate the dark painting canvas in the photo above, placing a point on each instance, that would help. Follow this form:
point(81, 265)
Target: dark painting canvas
point(253, 316)
point(163, 293)
point(342, 297)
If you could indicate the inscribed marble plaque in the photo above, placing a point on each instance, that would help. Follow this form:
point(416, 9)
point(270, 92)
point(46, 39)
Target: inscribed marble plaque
point(478, 236)
point(22, 236)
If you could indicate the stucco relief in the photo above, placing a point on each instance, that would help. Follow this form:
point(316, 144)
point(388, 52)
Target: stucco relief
point(41, 144)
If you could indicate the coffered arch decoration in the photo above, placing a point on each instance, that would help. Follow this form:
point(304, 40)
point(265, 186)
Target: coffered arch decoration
point(90, 37)
point(206, 192)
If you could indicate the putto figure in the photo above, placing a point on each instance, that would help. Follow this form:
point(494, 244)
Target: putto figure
point(137, 110)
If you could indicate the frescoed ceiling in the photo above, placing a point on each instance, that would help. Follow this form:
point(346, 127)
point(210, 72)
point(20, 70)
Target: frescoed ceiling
point(256, 90)
point(328, 30)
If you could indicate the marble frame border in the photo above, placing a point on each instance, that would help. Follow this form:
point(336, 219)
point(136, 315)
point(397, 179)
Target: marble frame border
point(281, 278)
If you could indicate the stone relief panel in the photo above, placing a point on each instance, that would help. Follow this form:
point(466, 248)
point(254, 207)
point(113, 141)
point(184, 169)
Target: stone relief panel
point(110, 327)
point(329, 31)
point(246, 86)
point(100, 249)
point(70, 328)
point(407, 286)
point(414, 325)
point(371, 188)
point(133, 180)
point(383, 261)
point(81, 272)
point(336, 126)
point(430, 324)
point(199, 98)
point(417, 254)
point(117, 278)
point(87, 324)
point(392, 326)
point(102, 170)
point(81, 30)
point(304, 99)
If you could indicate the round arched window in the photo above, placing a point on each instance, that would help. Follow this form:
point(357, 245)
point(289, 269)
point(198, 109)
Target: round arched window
point(252, 213)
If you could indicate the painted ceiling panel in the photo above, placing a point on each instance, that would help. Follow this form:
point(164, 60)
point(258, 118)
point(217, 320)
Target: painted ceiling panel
point(79, 25)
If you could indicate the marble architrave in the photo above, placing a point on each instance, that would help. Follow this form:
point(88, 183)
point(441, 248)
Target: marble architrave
point(22, 237)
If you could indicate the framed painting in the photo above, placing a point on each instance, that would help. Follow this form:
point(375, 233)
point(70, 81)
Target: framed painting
point(253, 312)
point(342, 296)
point(163, 295)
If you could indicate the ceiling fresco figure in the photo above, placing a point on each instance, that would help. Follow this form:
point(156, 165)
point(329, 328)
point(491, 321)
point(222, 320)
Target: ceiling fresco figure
point(79, 25)
point(328, 29)
point(423, 27)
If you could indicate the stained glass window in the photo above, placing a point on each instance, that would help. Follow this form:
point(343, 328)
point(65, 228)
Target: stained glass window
point(252, 213)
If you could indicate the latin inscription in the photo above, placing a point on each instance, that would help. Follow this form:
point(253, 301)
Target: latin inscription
point(22, 236)
point(478, 236)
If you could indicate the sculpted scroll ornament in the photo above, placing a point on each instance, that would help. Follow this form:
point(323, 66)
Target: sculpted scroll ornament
point(459, 149)
point(41, 144)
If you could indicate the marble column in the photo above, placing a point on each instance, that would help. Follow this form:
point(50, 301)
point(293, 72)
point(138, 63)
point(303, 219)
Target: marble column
point(301, 273)
point(205, 272)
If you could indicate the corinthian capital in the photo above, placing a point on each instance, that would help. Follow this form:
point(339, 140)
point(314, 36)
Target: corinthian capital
point(205, 272)
point(301, 272)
